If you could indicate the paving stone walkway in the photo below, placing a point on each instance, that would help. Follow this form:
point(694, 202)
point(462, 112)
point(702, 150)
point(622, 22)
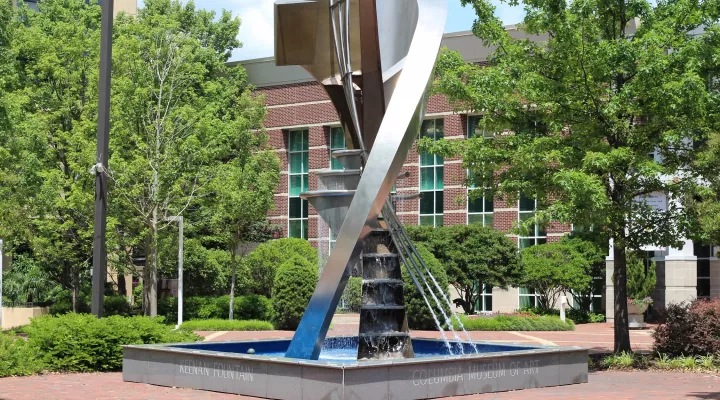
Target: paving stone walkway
point(602, 386)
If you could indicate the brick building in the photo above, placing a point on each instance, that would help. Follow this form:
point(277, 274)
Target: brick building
point(304, 128)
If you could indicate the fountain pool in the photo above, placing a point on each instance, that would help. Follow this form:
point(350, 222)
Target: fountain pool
point(228, 367)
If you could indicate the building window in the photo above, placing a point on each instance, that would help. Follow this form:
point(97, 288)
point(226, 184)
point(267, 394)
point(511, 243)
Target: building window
point(337, 142)
point(298, 158)
point(480, 210)
point(527, 210)
point(475, 129)
point(703, 254)
point(431, 177)
point(484, 301)
point(528, 297)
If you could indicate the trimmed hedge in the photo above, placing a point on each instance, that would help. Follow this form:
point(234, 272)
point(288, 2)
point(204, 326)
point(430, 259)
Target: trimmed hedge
point(294, 285)
point(17, 358)
point(515, 323)
point(226, 325)
point(263, 262)
point(245, 308)
point(352, 295)
point(418, 314)
point(83, 343)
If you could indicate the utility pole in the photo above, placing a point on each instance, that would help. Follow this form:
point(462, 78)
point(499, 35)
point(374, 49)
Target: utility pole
point(180, 220)
point(99, 244)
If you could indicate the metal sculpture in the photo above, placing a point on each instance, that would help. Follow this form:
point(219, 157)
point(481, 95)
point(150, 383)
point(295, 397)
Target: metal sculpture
point(375, 59)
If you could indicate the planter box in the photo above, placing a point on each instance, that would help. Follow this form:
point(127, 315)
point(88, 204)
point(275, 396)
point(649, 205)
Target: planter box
point(636, 320)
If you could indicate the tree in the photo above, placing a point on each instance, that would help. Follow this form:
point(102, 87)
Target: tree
point(47, 143)
point(641, 278)
point(471, 255)
point(594, 253)
point(245, 191)
point(603, 85)
point(180, 116)
point(554, 268)
point(417, 311)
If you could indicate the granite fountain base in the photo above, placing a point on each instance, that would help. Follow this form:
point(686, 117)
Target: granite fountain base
point(230, 368)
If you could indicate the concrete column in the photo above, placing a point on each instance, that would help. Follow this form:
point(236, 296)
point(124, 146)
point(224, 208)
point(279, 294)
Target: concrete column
point(680, 275)
point(609, 287)
point(505, 301)
point(715, 273)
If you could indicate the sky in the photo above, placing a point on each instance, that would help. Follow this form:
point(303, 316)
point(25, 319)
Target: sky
point(256, 31)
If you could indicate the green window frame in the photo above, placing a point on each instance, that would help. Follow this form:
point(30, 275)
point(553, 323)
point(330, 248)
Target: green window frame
point(298, 169)
point(432, 170)
point(337, 142)
point(527, 209)
point(703, 254)
point(475, 129)
point(484, 301)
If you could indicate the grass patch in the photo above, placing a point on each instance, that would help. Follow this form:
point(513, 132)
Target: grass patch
point(516, 323)
point(226, 325)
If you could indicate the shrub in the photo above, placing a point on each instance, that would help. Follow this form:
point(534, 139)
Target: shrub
point(640, 284)
point(690, 329)
point(83, 343)
point(62, 303)
point(294, 285)
point(226, 325)
point(117, 305)
point(263, 262)
point(352, 295)
point(246, 307)
point(418, 314)
point(470, 254)
point(516, 323)
point(578, 316)
point(17, 358)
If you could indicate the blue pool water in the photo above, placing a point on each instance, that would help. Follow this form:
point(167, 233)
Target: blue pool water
point(344, 349)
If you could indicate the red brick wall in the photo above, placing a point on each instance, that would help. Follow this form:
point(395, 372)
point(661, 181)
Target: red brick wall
point(307, 105)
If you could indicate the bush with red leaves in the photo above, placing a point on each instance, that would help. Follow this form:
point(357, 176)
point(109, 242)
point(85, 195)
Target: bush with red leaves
point(691, 329)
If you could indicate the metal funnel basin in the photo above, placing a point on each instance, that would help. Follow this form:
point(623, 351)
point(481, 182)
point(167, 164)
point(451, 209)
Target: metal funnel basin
point(329, 179)
point(350, 159)
point(331, 205)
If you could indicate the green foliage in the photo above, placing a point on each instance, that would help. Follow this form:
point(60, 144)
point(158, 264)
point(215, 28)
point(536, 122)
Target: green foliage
point(225, 325)
point(116, 305)
point(246, 308)
point(576, 315)
point(605, 92)
point(624, 360)
point(27, 282)
point(206, 272)
point(84, 343)
point(352, 295)
point(182, 118)
point(586, 244)
point(418, 313)
point(471, 254)
point(515, 323)
point(263, 262)
point(640, 283)
point(554, 268)
point(294, 284)
point(17, 358)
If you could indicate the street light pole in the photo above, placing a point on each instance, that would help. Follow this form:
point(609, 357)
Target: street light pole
point(99, 275)
point(180, 220)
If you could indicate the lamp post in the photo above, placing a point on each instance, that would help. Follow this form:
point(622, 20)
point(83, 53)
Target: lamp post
point(180, 220)
point(99, 276)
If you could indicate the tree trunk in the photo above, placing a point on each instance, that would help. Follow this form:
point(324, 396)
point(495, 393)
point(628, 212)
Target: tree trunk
point(622, 329)
point(233, 262)
point(150, 275)
point(75, 290)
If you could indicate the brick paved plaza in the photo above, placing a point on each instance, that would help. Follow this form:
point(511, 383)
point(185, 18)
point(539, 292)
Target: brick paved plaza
point(602, 385)
point(598, 337)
